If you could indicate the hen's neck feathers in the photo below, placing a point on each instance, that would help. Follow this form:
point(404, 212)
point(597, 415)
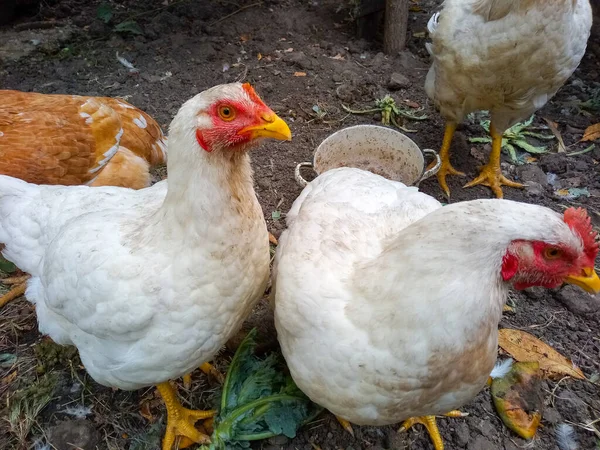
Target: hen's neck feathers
point(205, 189)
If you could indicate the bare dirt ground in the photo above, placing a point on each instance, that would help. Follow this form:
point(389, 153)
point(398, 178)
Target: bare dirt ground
point(187, 46)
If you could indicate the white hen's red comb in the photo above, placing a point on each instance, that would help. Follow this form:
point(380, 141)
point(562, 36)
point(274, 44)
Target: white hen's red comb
point(578, 220)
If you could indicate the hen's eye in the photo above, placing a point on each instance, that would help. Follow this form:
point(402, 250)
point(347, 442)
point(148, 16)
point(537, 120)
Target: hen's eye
point(226, 113)
point(552, 253)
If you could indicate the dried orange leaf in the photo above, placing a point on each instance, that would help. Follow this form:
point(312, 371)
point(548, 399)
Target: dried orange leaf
point(259, 56)
point(299, 74)
point(524, 347)
point(8, 378)
point(145, 411)
point(555, 131)
point(518, 400)
point(591, 133)
point(272, 239)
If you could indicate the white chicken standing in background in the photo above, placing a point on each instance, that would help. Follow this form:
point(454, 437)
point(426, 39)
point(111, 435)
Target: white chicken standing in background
point(508, 57)
point(149, 284)
point(387, 304)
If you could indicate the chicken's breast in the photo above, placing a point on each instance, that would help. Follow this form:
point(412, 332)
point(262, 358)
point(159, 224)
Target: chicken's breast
point(506, 56)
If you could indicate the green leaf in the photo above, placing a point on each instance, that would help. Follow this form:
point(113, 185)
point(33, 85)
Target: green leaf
point(129, 26)
point(237, 371)
point(104, 12)
point(6, 266)
point(258, 401)
point(276, 215)
point(7, 360)
point(546, 137)
point(528, 147)
point(512, 152)
point(480, 139)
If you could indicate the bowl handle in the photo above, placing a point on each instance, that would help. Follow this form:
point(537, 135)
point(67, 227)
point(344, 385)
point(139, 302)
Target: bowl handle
point(301, 181)
point(434, 169)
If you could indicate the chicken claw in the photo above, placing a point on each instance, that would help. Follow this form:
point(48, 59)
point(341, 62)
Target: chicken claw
point(208, 369)
point(345, 425)
point(180, 420)
point(432, 428)
point(20, 285)
point(491, 175)
point(446, 168)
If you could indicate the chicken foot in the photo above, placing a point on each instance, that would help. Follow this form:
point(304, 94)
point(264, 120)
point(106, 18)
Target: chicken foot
point(208, 369)
point(431, 425)
point(180, 420)
point(446, 168)
point(345, 425)
point(19, 286)
point(490, 174)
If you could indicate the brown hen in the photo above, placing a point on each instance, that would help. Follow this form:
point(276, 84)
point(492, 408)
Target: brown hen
point(72, 139)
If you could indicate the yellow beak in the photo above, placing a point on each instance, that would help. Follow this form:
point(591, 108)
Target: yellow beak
point(271, 126)
point(588, 281)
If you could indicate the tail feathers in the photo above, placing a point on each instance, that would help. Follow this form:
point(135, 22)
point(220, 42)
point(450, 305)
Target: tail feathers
point(19, 229)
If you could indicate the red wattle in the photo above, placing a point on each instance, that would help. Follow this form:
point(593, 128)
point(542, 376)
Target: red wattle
point(202, 142)
point(510, 265)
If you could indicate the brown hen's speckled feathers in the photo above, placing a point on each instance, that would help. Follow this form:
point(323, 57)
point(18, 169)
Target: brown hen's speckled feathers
point(71, 139)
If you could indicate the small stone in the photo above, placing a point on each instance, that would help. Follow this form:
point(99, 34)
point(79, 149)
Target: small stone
point(572, 182)
point(485, 428)
point(278, 440)
point(409, 61)
point(461, 434)
point(345, 93)
point(532, 172)
point(481, 443)
point(581, 165)
point(577, 301)
point(377, 60)
point(552, 416)
point(398, 81)
point(72, 434)
point(207, 50)
point(554, 162)
point(534, 189)
point(300, 59)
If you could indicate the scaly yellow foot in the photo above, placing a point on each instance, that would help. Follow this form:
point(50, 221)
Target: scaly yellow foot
point(490, 174)
point(20, 285)
point(432, 428)
point(180, 420)
point(446, 168)
point(345, 425)
point(208, 369)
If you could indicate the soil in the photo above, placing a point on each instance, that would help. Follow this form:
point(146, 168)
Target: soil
point(188, 46)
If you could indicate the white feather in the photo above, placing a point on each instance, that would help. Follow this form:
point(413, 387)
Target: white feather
point(501, 368)
point(565, 437)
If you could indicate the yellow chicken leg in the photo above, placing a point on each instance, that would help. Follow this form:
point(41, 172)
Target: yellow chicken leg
point(208, 369)
point(490, 174)
point(19, 286)
point(431, 425)
point(180, 420)
point(446, 168)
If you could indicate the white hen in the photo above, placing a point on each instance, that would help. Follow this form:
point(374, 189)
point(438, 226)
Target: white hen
point(387, 304)
point(149, 284)
point(505, 56)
